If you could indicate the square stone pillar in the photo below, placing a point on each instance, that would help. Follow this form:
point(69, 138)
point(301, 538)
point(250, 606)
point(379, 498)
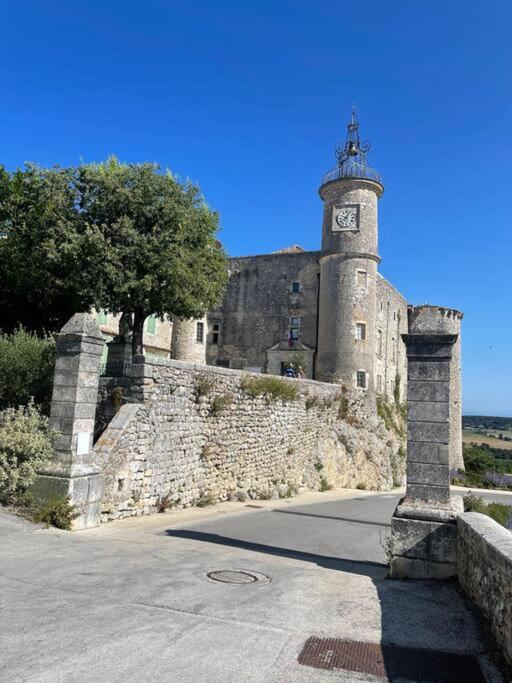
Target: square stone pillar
point(423, 527)
point(72, 471)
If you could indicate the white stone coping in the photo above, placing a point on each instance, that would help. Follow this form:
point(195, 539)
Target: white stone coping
point(489, 533)
point(230, 372)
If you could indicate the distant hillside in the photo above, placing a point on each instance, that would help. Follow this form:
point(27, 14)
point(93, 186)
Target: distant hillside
point(487, 422)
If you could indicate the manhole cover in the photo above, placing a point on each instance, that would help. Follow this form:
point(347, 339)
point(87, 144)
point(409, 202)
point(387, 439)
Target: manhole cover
point(390, 661)
point(238, 576)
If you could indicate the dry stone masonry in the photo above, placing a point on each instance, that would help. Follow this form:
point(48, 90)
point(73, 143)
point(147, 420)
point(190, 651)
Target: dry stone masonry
point(193, 434)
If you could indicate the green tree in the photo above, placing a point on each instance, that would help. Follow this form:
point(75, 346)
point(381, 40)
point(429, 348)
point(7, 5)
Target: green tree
point(161, 253)
point(26, 369)
point(50, 259)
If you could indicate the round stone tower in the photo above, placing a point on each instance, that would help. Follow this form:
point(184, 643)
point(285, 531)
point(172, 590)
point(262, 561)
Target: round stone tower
point(188, 340)
point(348, 269)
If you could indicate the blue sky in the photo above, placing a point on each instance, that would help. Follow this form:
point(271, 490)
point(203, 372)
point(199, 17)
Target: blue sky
point(249, 99)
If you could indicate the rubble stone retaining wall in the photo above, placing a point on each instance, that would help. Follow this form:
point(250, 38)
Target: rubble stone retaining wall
point(484, 562)
point(194, 434)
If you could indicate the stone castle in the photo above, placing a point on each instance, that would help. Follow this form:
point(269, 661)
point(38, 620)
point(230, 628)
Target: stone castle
point(329, 311)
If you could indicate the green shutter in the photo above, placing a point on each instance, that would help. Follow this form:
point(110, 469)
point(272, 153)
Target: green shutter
point(151, 324)
point(101, 317)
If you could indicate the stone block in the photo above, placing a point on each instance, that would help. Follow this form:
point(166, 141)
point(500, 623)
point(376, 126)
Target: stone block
point(430, 474)
point(66, 394)
point(86, 394)
point(433, 371)
point(427, 350)
point(431, 432)
point(419, 539)
point(427, 495)
point(428, 411)
point(411, 568)
point(428, 391)
point(435, 453)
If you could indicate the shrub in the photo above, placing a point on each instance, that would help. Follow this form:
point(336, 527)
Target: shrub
point(311, 402)
point(202, 387)
point(272, 387)
point(26, 369)
point(343, 407)
point(324, 485)
point(392, 414)
point(498, 511)
point(206, 499)
point(220, 403)
point(26, 442)
point(57, 512)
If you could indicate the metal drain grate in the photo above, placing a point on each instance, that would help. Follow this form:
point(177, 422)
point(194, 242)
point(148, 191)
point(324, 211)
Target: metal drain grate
point(390, 661)
point(237, 576)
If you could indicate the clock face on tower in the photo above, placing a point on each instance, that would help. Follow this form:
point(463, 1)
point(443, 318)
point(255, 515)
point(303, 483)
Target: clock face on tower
point(347, 217)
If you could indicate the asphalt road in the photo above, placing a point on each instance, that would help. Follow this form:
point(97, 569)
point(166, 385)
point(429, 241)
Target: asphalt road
point(132, 601)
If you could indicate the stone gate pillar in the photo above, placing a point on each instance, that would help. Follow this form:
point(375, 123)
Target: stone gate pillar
point(72, 471)
point(423, 527)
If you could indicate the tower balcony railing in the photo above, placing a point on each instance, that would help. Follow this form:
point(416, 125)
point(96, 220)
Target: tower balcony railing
point(352, 170)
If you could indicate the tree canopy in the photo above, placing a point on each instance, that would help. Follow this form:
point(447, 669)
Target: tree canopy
point(123, 237)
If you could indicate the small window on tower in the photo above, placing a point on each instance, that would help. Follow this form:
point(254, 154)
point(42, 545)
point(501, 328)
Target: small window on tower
point(361, 379)
point(200, 332)
point(393, 349)
point(215, 333)
point(361, 278)
point(295, 287)
point(360, 331)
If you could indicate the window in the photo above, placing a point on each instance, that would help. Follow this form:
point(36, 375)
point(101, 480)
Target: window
point(199, 332)
point(101, 317)
point(151, 324)
point(379, 384)
point(215, 333)
point(294, 331)
point(295, 287)
point(361, 379)
point(393, 350)
point(361, 278)
point(360, 331)
point(379, 342)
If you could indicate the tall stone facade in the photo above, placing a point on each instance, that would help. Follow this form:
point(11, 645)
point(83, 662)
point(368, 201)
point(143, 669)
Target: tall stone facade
point(329, 311)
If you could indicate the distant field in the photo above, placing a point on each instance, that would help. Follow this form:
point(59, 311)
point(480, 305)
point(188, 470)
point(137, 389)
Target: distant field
point(469, 437)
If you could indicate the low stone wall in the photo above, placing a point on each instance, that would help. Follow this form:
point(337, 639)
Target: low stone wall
point(484, 563)
point(195, 434)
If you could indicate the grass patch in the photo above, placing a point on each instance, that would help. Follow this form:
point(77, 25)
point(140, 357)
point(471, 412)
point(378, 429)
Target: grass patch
point(324, 485)
point(220, 403)
point(202, 387)
point(206, 499)
point(392, 415)
point(343, 406)
point(500, 512)
point(273, 388)
point(311, 402)
point(57, 512)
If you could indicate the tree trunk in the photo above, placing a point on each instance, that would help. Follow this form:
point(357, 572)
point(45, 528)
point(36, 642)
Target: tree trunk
point(138, 331)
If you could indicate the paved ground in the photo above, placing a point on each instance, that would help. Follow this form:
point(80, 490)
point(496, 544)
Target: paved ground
point(131, 601)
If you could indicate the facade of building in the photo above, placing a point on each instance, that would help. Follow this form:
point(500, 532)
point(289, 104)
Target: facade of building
point(327, 311)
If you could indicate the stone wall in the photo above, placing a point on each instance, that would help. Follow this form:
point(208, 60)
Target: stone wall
point(194, 434)
point(484, 562)
point(391, 323)
point(258, 304)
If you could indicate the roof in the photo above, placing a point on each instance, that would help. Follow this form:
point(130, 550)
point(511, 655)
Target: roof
point(293, 249)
